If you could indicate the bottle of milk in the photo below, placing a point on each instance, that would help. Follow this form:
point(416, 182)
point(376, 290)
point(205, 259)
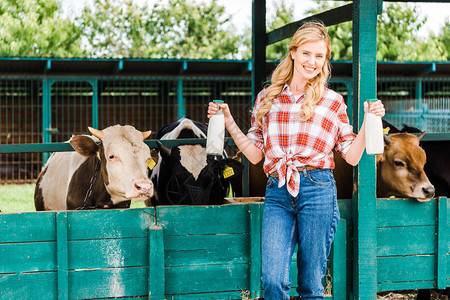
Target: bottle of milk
point(216, 132)
point(374, 132)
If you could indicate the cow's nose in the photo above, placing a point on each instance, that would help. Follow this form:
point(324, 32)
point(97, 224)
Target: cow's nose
point(428, 191)
point(143, 187)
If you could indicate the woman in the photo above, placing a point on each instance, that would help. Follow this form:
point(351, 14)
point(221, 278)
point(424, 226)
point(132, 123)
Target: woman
point(296, 123)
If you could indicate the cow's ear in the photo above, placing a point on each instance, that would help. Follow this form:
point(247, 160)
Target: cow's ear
point(84, 145)
point(230, 167)
point(165, 151)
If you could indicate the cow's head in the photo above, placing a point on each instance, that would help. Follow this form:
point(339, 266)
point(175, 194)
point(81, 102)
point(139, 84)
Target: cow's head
point(187, 175)
point(400, 168)
point(123, 157)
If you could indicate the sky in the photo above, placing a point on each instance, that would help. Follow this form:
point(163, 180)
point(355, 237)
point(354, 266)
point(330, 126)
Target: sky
point(240, 10)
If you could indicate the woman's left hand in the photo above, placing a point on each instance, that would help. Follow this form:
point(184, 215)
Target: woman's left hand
point(376, 107)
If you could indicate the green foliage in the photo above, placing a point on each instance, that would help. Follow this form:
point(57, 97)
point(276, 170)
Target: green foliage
point(36, 28)
point(173, 29)
point(198, 29)
point(444, 40)
point(284, 14)
point(340, 35)
point(187, 29)
point(397, 35)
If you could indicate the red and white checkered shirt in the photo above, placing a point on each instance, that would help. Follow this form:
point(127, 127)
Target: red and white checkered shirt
point(289, 143)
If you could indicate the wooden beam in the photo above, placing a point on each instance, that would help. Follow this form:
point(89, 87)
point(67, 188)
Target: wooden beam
point(330, 17)
point(259, 43)
point(364, 198)
point(156, 275)
point(62, 255)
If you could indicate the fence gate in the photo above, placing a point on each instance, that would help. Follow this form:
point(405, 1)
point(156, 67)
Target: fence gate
point(20, 123)
point(69, 107)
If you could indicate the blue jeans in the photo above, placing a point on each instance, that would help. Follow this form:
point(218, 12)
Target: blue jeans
point(309, 220)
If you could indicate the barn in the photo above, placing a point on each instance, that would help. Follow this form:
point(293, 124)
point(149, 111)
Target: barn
point(175, 252)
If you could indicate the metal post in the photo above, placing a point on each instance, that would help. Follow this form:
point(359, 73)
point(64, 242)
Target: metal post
point(181, 100)
point(46, 115)
point(94, 84)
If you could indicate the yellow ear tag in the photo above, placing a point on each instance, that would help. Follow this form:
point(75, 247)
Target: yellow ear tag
point(228, 172)
point(151, 164)
point(386, 130)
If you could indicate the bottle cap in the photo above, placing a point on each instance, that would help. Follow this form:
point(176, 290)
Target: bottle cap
point(372, 100)
point(218, 101)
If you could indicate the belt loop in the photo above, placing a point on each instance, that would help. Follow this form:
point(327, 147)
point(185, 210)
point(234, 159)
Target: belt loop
point(304, 171)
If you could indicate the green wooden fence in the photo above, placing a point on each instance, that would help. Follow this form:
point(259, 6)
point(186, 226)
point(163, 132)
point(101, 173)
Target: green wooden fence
point(179, 252)
point(203, 252)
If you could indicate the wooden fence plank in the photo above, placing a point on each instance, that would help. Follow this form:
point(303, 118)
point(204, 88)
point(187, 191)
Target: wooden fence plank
point(345, 209)
point(111, 223)
point(411, 240)
point(406, 268)
point(339, 262)
point(27, 227)
point(203, 279)
point(231, 295)
point(255, 249)
point(29, 286)
point(108, 253)
point(364, 199)
point(405, 212)
point(62, 255)
point(27, 257)
point(411, 285)
point(206, 249)
point(188, 220)
point(442, 246)
point(156, 279)
point(108, 283)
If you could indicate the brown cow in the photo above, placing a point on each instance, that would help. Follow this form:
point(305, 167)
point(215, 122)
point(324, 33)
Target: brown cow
point(104, 175)
point(400, 169)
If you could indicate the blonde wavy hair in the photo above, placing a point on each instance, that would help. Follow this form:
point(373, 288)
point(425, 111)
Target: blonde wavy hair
point(309, 32)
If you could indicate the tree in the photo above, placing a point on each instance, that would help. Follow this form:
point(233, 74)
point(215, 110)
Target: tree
point(283, 15)
point(174, 29)
point(397, 35)
point(113, 28)
point(340, 34)
point(444, 39)
point(36, 28)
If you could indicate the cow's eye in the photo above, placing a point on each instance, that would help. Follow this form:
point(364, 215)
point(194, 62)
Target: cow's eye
point(399, 163)
point(111, 157)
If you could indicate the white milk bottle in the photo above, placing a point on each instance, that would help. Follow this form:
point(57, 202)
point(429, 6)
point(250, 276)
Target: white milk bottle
point(374, 132)
point(216, 132)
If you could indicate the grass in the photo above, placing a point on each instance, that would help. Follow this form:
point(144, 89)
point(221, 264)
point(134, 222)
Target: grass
point(20, 198)
point(17, 197)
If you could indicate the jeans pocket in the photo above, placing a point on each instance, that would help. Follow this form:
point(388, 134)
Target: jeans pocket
point(321, 177)
point(270, 182)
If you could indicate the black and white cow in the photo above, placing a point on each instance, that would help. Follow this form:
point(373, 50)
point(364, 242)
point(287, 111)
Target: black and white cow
point(186, 175)
point(104, 175)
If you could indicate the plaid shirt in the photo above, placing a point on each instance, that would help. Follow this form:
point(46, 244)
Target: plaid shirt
point(288, 143)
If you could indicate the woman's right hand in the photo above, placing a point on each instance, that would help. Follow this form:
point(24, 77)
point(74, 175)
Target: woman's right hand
point(213, 108)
